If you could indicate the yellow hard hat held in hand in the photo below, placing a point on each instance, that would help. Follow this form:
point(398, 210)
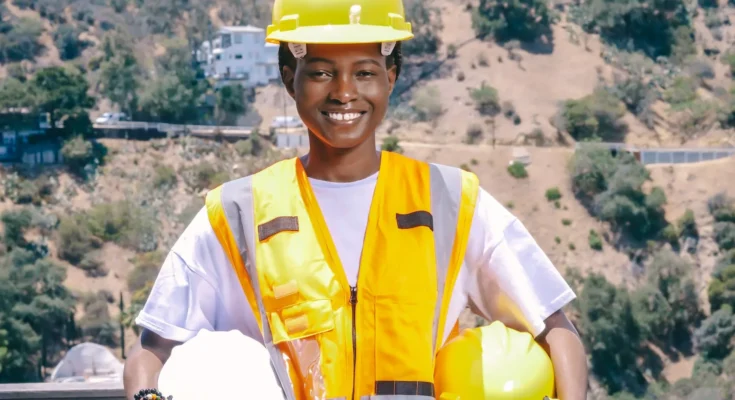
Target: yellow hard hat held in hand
point(301, 22)
point(493, 362)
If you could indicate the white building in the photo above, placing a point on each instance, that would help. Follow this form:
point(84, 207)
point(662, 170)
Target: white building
point(240, 54)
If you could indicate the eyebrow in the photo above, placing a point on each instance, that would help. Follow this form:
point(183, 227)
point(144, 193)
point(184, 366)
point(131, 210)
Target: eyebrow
point(328, 61)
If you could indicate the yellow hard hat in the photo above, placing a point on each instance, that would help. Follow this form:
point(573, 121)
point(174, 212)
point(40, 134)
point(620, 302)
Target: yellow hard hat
point(338, 22)
point(493, 362)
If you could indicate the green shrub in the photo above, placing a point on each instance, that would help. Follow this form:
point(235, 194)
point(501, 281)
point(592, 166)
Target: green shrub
point(75, 239)
point(557, 204)
point(517, 170)
point(164, 177)
point(510, 205)
point(427, 103)
point(670, 234)
point(553, 194)
point(572, 247)
point(557, 239)
point(595, 240)
point(15, 224)
point(451, 51)
point(146, 269)
point(721, 290)
point(724, 233)
point(596, 116)
point(391, 143)
point(714, 337)
point(251, 146)
point(688, 225)
point(486, 99)
point(92, 265)
point(204, 176)
point(566, 222)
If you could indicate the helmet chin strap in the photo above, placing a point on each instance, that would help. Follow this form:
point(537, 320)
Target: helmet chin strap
point(299, 49)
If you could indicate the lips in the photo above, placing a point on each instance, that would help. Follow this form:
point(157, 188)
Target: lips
point(343, 117)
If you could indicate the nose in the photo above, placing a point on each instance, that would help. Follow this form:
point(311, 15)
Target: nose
point(344, 89)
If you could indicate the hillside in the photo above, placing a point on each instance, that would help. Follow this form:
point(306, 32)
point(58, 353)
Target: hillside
point(649, 245)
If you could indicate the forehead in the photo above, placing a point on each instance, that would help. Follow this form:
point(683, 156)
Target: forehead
point(338, 52)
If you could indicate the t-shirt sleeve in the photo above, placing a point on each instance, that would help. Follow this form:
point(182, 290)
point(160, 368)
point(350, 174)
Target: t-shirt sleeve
point(510, 277)
point(183, 299)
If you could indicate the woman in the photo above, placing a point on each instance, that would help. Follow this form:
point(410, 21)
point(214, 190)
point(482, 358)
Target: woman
point(352, 265)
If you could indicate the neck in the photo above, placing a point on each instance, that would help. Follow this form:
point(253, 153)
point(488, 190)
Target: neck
point(341, 165)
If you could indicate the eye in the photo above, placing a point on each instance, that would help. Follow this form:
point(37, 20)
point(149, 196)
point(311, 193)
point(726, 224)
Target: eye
point(319, 74)
point(365, 74)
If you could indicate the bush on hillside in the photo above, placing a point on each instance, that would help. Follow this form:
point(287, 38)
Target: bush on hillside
point(688, 225)
point(595, 241)
point(722, 207)
point(553, 194)
point(486, 99)
point(652, 312)
point(724, 233)
point(15, 224)
point(146, 270)
point(164, 177)
point(721, 290)
point(649, 25)
point(427, 103)
point(75, 239)
point(66, 39)
point(611, 334)
point(596, 116)
point(674, 278)
point(714, 337)
point(518, 170)
point(474, 133)
point(392, 144)
point(427, 22)
point(204, 175)
point(80, 155)
point(19, 39)
point(251, 146)
point(516, 19)
point(612, 188)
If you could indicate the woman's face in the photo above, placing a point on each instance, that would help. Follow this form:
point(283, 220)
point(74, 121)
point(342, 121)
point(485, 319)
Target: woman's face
point(341, 91)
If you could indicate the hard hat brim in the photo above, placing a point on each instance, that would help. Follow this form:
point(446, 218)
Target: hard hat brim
point(339, 34)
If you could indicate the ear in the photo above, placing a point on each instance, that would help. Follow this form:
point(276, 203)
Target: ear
point(392, 76)
point(288, 76)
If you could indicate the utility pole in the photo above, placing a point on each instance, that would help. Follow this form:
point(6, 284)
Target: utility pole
point(122, 327)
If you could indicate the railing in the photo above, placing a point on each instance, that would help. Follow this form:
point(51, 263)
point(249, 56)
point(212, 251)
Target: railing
point(58, 391)
point(684, 155)
point(163, 127)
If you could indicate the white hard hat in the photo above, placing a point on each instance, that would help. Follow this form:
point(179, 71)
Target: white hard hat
point(215, 365)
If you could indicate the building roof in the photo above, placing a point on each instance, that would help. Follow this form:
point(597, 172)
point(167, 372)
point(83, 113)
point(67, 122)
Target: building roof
point(241, 29)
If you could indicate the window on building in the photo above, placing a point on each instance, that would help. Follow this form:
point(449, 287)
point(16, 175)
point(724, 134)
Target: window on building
point(218, 57)
point(226, 41)
point(238, 38)
point(238, 56)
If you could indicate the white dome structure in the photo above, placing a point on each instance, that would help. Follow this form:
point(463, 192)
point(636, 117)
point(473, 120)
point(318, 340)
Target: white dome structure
point(88, 362)
point(216, 365)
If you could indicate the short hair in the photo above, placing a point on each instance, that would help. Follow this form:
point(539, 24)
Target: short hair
point(286, 58)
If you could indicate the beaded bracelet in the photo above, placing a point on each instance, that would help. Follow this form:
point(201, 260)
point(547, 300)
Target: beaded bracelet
point(151, 394)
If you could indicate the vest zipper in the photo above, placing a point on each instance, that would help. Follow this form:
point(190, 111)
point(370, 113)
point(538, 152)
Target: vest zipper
point(353, 302)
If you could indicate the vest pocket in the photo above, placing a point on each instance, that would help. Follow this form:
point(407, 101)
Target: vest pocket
point(300, 320)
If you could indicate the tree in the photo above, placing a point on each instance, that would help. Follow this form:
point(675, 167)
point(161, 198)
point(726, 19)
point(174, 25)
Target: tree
point(119, 72)
point(231, 103)
point(67, 41)
point(610, 333)
point(725, 235)
point(61, 93)
point(653, 313)
point(674, 278)
point(16, 94)
point(427, 22)
point(35, 309)
point(646, 25)
point(15, 223)
point(525, 20)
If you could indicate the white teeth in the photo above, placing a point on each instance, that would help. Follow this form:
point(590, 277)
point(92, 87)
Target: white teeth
point(344, 117)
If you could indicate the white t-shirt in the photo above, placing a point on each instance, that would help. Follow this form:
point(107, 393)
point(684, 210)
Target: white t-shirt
point(507, 275)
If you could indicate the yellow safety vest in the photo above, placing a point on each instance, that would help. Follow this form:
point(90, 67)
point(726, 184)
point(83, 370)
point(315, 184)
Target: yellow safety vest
point(329, 340)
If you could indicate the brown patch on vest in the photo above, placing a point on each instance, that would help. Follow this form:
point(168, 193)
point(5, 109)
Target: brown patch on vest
point(415, 219)
point(277, 225)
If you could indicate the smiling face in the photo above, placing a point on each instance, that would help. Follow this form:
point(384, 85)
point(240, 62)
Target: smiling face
point(341, 91)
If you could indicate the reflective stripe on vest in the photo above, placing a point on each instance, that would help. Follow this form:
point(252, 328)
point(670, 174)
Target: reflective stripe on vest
point(275, 236)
